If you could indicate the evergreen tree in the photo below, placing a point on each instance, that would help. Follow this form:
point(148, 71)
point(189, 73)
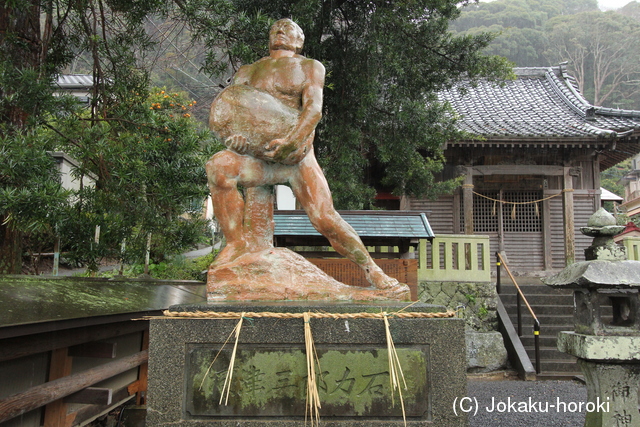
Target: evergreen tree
point(383, 127)
point(520, 25)
point(602, 53)
point(148, 161)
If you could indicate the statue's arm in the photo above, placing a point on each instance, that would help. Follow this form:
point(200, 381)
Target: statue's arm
point(299, 140)
point(311, 103)
point(239, 143)
point(243, 75)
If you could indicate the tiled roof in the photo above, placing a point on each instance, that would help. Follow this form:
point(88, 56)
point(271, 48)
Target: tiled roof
point(75, 81)
point(541, 103)
point(377, 224)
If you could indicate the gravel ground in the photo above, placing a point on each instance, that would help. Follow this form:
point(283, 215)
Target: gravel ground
point(543, 394)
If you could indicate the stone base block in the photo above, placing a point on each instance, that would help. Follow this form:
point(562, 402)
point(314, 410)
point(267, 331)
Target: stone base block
point(485, 351)
point(188, 363)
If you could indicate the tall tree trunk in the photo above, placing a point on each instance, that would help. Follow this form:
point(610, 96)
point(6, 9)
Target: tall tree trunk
point(10, 249)
point(24, 50)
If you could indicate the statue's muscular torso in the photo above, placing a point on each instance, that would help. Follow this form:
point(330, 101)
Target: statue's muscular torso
point(283, 78)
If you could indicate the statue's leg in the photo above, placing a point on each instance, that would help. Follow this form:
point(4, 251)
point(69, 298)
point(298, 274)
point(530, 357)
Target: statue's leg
point(312, 191)
point(258, 218)
point(223, 170)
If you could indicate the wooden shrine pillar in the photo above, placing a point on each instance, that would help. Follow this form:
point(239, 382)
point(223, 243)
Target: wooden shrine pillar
point(467, 201)
point(568, 216)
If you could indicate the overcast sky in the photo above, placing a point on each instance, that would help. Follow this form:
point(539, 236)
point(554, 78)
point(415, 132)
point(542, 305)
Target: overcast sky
point(612, 4)
point(605, 4)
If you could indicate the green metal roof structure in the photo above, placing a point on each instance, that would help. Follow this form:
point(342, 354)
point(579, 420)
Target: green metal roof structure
point(376, 228)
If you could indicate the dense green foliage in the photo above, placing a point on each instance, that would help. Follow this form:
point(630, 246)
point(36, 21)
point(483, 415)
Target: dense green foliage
point(32, 200)
point(521, 25)
point(383, 129)
point(600, 48)
point(145, 155)
point(148, 163)
point(611, 178)
point(176, 268)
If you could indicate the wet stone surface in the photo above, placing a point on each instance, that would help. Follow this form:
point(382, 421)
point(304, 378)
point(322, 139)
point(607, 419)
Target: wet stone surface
point(272, 382)
point(269, 384)
point(32, 299)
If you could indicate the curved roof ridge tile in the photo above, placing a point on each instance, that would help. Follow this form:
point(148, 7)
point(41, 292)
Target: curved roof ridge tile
point(570, 83)
point(572, 98)
point(604, 111)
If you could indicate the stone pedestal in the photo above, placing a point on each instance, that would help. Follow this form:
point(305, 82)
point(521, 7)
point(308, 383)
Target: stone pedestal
point(614, 391)
point(612, 388)
point(269, 376)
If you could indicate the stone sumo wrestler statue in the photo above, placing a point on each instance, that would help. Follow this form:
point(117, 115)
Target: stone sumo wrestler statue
point(267, 119)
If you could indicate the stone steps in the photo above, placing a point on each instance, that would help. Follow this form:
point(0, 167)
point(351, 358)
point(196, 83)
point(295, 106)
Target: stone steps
point(540, 300)
point(554, 310)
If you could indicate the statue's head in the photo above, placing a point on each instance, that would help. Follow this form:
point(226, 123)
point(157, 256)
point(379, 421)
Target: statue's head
point(287, 35)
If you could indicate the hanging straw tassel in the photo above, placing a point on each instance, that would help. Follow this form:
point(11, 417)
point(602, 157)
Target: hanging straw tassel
point(537, 210)
point(513, 212)
point(216, 358)
point(313, 398)
point(395, 370)
point(227, 381)
point(493, 212)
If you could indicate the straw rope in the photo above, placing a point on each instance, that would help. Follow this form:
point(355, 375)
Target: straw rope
point(312, 315)
point(227, 381)
point(566, 190)
point(312, 411)
point(313, 405)
point(395, 369)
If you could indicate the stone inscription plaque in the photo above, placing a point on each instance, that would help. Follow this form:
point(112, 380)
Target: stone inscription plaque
point(271, 382)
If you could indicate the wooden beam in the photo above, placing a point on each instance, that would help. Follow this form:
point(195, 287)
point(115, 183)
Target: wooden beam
point(21, 330)
point(89, 412)
point(517, 170)
point(96, 349)
point(500, 209)
point(597, 183)
point(143, 373)
point(91, 396)
point(55, 413)
point(35, 397)
point(456, 213)
point(13, 348)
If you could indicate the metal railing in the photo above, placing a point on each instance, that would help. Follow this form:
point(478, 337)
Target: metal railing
point(520, 297)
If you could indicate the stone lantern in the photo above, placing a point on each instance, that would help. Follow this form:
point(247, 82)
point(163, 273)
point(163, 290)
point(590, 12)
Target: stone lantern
point(606, 339)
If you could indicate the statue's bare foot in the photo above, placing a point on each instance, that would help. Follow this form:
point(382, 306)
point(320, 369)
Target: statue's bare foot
point(381, 281)
point(229, 253)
